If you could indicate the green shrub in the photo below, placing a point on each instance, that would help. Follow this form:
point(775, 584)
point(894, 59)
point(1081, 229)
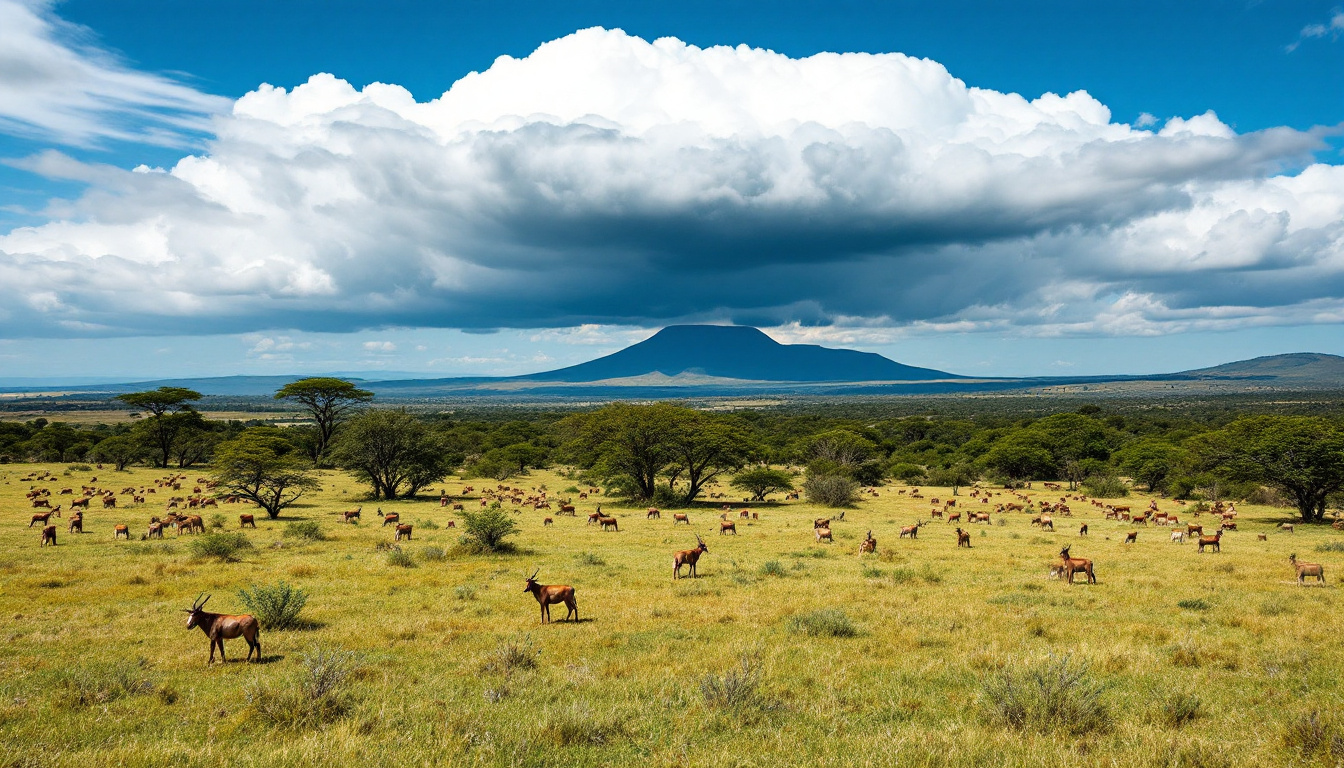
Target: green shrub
point(428, 525)
point(103, 682)
point(737, 687)
point(831, 490)
point(307, 530)
point(399, 559)
point(217, 520)
point(433, 554)
point(488, 528)
point(588, 558)
point(1313, 734)
point(1050, 696)
point(1105, 487)
point(1331, 546)
point(276, 606)
point(80, 468)
point(464, 592)
point(512, 654)
point(318, 695)
point(1194, 604)
point(773, 568)
point(221, 546)
point(827, 622)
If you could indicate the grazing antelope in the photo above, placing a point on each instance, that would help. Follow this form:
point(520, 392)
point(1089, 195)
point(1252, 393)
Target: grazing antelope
point(953, 517)
point(1307, 569)
point(567, 509)
point(48, 535)
point(688, 557)
point(121, 530)
point(609, 523)
point(1214, 541)
point(745, 514)
point(109, 502)
point(547, 521)
point(678, 517)
point(352, 514)
point(1261, 537)
point(1287, 527)
point(821, 522)
point(76, 524)
point(963, 538)
point(155, 531)
point(548, 595)
point(1194, 530)
point(823, 533)
point(247, 521)
point(725, 526)
point(80, 503)
point(1072, 565)
point(220, 627)
point(391, 518)
point(908, 531)
point(1082, 530)
point(402, 530)
point(868, 545)
point(1131, 537)
point(653, 514)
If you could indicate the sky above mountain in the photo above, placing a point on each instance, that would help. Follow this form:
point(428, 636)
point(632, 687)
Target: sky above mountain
point(497, 188)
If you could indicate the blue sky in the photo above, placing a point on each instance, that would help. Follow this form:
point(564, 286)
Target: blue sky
point(1033, 188)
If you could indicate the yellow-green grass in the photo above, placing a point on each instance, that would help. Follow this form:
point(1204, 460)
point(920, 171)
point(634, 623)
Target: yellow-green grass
point(623, 686)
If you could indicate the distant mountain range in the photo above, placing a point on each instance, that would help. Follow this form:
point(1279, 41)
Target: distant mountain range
point(712, 361)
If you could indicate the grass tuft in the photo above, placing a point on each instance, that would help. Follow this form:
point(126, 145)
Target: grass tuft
point(316, 696)
point(399, 559)
point(738, 687)
point(1053, 695)
point(104, 682)
point(827, 622)
point(220, 546)
point(305, 530)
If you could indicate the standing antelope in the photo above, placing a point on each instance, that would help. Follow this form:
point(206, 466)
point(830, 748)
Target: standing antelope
point(868, 545)
point(352, 514)
point(1307, 569)
point(121, 530)
point(1072, 565)
point(909, 531)
point(1214, 541)
point(678, 517)
point(402, 529)
point(220, 627)
point(76, 523)
point(247, 521)
point(1132, 537)
point(725, 526)
point(547, 521)
point(1082, 531)
point(609, 523)
point(963, 538)
point(48, 536)
point(391, 518)
point(823, 533)
point(688, 557)
point(547, 595)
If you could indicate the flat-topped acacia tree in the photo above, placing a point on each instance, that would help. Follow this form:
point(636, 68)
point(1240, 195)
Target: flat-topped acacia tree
point(164, 406)
point(327, 400)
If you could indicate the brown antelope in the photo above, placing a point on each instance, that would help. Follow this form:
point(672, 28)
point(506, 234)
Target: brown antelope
point(80, 503)
point(402, 529)
point(548, 595)
point(109, 501)
point(1287, 527)
point(594, 517)
point(1047, 522)
point(963, 538)
point(1082, 530)
point(745, 514)
point(547, 521)
point(1214, 541)
point(121, 530)
point(40, 518)
point(220, 627)
point(821, 522)
point(247, 521)
point(76, 524)
point(678, 517)
point(725, 526)
point(391, 518)
point(609, 523)
point(155, 531)
point(1072, 565)
point(868, 545)
point(653, 514)
point(1194, 530)
point(688, 557)
point(352, 514)
point(48, 536)
point(567, 509)
point(908, 531)
point(1307, 569)
point(1132, 537)
point(823, 533)
point(953, 517)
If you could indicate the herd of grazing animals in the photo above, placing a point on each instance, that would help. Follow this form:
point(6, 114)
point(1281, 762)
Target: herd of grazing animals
point(219, 627)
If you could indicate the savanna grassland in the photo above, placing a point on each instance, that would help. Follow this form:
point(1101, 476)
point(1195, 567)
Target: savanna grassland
point(783, 652)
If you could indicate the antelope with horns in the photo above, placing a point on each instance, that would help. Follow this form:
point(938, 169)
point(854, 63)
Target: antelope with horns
point(868, 545)
point(352, 514)
point(220, 627)
point(909, 531)
point(549, 594)
point(1214, 541)
point(1315, 570)
point(1072, 565)
point(963, 538)
point(688, 557)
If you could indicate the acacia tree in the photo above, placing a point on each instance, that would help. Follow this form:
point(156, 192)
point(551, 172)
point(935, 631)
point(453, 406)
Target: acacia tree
point(1301, 456)
point(704, 447)
point(328, 401)
point(762, 481)
point(168, 408)
point(261, 466)
point(626, 440)
point(391, 450)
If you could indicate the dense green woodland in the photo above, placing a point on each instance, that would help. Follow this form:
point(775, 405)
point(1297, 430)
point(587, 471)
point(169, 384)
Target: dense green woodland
point(1289, 453)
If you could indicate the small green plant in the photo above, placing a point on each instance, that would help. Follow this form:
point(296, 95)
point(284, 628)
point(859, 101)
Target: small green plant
point(737, 687)
point(1331, 546)
point(512, 654)
point(276, 606)
point(827, 622)
point(1314, 734)
point(489, 528)
point(1053, 695)
point(80, 468)
point(1194, 604)
point(218, 520)
point(400, 559)
point(465, 592)
point(773, 568)
point(306, 530)
point(428, 525)
point(433, 554)
point(318, 695)
point(220, 546)
point(588, 558)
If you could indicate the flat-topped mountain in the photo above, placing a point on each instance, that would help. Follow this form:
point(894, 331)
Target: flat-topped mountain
point(737, 352)
point(1296, 366)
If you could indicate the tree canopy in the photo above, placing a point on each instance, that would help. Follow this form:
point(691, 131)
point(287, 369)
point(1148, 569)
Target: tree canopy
point(1301, 456)
point(260, 465)
point(328, 401)
point(170, 414)
point(392, 451)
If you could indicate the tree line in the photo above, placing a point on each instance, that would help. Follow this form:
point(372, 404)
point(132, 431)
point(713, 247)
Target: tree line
point(669, 453)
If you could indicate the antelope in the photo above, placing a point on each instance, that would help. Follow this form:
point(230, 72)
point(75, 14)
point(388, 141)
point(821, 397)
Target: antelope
point(1194, 530)
point(1074, 565)
point(247, 521)
point(726, 526)
point(1287, 527)
point(547, 521)
point(352, 514)
point(678, 517)
point(220, 627)
point(81, 503)
point(1132, 537)
point(48, 535)
point(688, 557)
point(953, 517)
point(109, 501)
point(121, 530)
point(653, 514)
point(823, 533)
point(1307, 569)
point(1082, 530)
point(76, 523)
point(868, 545)
point(155, 531)
point(548, 595)
point(821, 522)
point(567, 509)
point(402, 529)
point(609, 523)
point(1214, 541)
point(594, 517)
point(908, 531)
point(391, 518)
point(963, 538)
point(40, 518)
point(745, 514)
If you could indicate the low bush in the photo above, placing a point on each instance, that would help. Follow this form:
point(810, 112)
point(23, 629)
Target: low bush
point(464, 592)
point(773, 568)
point(218, 520)
point(1194, 604)
point(489, 528)
point(317, 696)
point(1105, 487)
point(433, 554)
point(307, 530)
point(1181, 709)
point(831, 490)
point(738, 687)
point(511, 655)
point(1053, 695)
point(276, 606)
point(80, 468)
point(399, 559)
point(827, 622)
point(221, 546)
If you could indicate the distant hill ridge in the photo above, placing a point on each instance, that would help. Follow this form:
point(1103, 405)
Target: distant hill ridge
point(737, 352)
